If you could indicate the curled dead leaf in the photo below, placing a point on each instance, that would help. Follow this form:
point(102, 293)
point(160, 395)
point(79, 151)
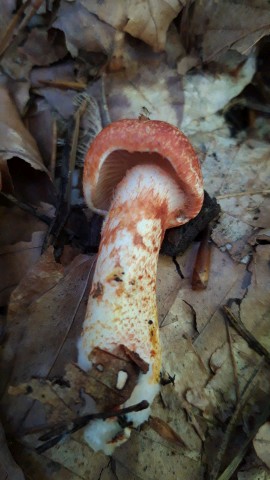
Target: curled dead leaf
point(165, 431)
point(15, 139)
point(261, 443)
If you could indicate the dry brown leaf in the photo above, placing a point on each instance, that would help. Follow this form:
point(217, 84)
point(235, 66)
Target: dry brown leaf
point(15, 139)
point(18, 90)
point(95, 35)
point(16, 260)
point(40, 122)
point(255, 307)
point(43, 47)
point(165, 431)
point(44, 322)
point(261, 443)
point(40, 467)
point(147, 20)
point(229, 25)
point(230, 174)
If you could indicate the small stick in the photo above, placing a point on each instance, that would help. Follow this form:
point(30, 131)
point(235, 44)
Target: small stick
point(27, 208)
point(237, 388)
point(200, 274)
point(75, 137)
point(106, 119)
point(6, 38)
point(64, 84)
point(178, 268)
point(29, 15)
point(250, 385)
point(265, 191)
point(80, 422)
point(243, 331)
point(54, 150)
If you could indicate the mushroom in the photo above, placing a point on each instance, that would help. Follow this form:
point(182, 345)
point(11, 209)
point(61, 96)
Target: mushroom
point(145, 177)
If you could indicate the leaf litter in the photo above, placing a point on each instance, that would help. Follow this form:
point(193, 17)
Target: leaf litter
point(185, 63)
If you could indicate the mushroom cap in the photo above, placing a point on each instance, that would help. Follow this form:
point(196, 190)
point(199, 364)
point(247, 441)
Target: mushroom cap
point(128, 142)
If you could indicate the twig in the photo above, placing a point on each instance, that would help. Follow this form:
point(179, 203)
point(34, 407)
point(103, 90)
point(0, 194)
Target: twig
point(54, 150)
point(64, 84)
point(106, 119)
point(229, 471)
point(53, 437)
point(27, 208)
point(243, 331)
point(237, 388)
point(200, 275)
point(75, 137)
point(178, 268)
point(264, 191)
point(6, 38)
point(250, 385)
point(12, 32)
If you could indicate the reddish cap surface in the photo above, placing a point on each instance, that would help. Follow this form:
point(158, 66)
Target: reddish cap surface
point(125, 143)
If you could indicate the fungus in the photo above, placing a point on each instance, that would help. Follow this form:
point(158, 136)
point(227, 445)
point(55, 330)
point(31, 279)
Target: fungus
point(145, 177)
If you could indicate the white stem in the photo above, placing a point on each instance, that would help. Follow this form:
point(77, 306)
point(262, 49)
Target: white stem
point(122, 305)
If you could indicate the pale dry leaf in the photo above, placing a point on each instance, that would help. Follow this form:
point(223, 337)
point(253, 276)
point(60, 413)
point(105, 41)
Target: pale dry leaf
point(40, 122)
point(254, 473)
point(151, 458)
point(229, 173)
point(8, 8)
point(263, 235)
point(43, 326)
point(152, 85)
point(165, 431)
point(15, 139)
point(78, 458)
point(41, 278)
point(147, 20)
point(39, 466)
point(53, 310)
point(223, 276)
point(206, 94)
point(191, 102)
point(16, 260)
point(261, 443)
point(229, 25)
point(255, 307)
point(95, 34)
point(232, 235)
point(18, 90)
point(43, 47)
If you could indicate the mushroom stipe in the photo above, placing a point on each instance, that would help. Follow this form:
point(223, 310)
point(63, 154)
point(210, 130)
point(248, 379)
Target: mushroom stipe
point(145, 176)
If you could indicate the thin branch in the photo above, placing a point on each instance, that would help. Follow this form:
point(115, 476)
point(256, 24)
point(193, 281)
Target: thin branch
point(250, 385)
point(244, 332)
point(53, 437)
point(265, 191)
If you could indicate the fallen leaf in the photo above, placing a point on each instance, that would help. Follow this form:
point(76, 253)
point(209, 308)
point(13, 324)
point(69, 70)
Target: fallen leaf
point(261, 443)
point(147, 20)
point(15, 139)
point(43, 47)
point(229, 25)
point(255, 307)
point(15, 261)
point(95, 35)
point(165, 431)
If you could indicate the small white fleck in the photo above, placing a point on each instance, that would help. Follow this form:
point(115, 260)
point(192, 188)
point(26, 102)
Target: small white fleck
point(121, 379)
point(245, 259)
point(228, 246)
